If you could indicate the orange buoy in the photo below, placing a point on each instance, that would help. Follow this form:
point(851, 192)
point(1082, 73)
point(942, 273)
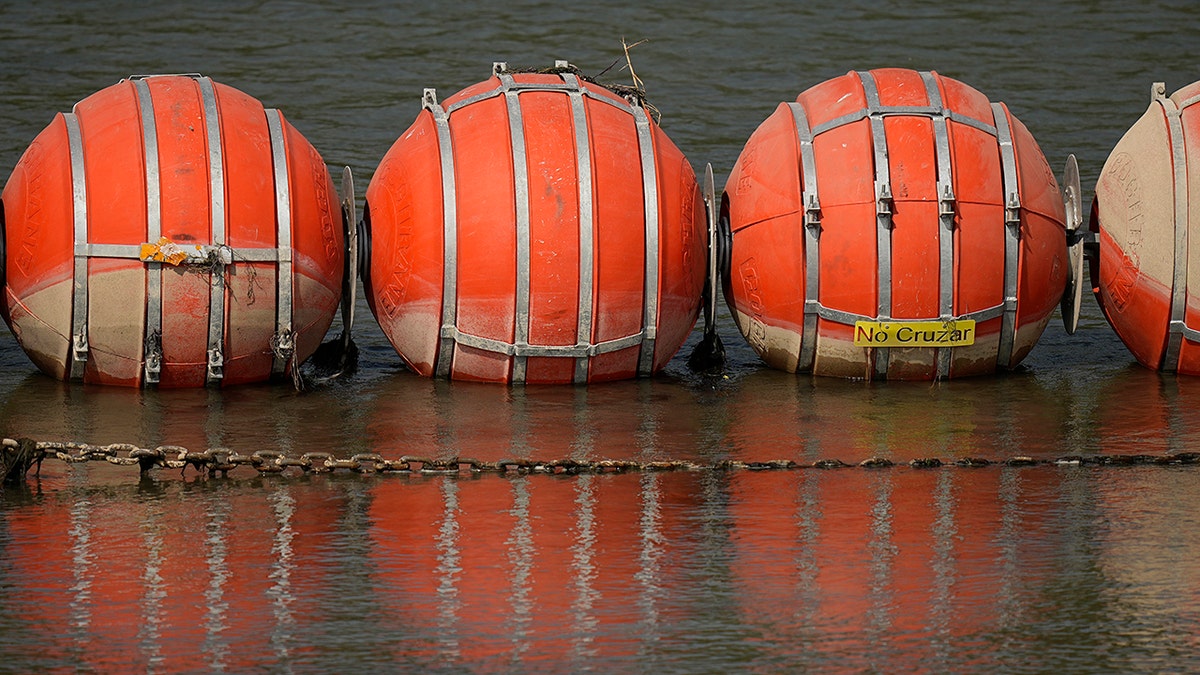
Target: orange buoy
point(171, 231)
point(535, 227)
point(893, 224)
point(1147, 214)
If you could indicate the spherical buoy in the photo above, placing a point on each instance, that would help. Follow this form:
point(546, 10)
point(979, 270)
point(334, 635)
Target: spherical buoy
point(535, 227)
point(893, 224)
point(171, 231)
point(1147, 214)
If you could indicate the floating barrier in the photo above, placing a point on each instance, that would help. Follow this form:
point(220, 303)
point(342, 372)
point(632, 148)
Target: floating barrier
point(171, 231)
point(1146, 212)
point(538, 227)
point(893, 224)
point(535, 227)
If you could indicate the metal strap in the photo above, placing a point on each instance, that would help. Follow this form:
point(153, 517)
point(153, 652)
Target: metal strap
point(620, 104)
point(199, 254)
point(849, 318)
point(516, 129)
point(883, 214)
point(1012, 234)
point(587, 258)
point(810, 198)
point(449, 234)
point(650, 287)
point(284, 341)
point(946, 213)
point(919, 111)
point(1190, 334)
point(216, 179)
point(580, 350)
point(152, 340)
point(1179, 158)
point(79, 304)
point(1178, 324)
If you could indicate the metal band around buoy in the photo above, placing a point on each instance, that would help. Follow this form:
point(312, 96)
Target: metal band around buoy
point(284, 340)
point(79, 304)
point(810, 198)
point(650, 195)
point(883, 213)
point(216, 184)
point(1181, 198)
point(1178, 322)
point(587, 258)
point(152, 354)
point(520, 348)
point(912, 110)
point(516, 130)
point(946, 213)
point(449, 329)
point(1012, 234)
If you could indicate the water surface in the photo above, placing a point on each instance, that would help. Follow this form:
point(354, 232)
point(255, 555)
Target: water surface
point(1002, 568)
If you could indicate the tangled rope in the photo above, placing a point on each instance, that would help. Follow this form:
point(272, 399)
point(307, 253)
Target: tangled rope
point(17, 457)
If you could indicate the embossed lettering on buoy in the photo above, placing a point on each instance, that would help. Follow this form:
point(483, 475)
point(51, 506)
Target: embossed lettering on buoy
point(1147, 214)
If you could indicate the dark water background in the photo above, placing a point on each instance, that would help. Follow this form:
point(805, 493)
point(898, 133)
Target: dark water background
point(1000, 569)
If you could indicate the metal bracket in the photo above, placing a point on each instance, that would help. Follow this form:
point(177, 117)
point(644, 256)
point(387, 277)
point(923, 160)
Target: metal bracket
point(884, 201)
point(153, 351)
point(216, 365)
point(1158, 91)
point(79, 349)
point(283, 346)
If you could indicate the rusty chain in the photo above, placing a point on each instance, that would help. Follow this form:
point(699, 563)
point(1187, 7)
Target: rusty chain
point(220, 461)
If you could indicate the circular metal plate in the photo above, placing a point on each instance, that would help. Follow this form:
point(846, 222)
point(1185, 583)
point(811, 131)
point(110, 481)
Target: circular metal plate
point(710, 301)
point(350, 223)
point(1073, 205)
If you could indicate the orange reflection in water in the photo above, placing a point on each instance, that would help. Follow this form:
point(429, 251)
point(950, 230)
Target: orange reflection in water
point(887, 569)
point(929, 570)
point(533, 570)
point(189, 578)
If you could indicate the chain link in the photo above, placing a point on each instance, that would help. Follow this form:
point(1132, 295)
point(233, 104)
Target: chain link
point(220, 461)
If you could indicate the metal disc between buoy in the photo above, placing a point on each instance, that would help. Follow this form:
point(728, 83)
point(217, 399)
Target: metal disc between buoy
point(710, 203)
point(1073, 205)
point(350, 223)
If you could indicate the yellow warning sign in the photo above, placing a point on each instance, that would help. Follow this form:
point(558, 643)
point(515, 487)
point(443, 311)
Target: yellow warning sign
point(958, 333)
